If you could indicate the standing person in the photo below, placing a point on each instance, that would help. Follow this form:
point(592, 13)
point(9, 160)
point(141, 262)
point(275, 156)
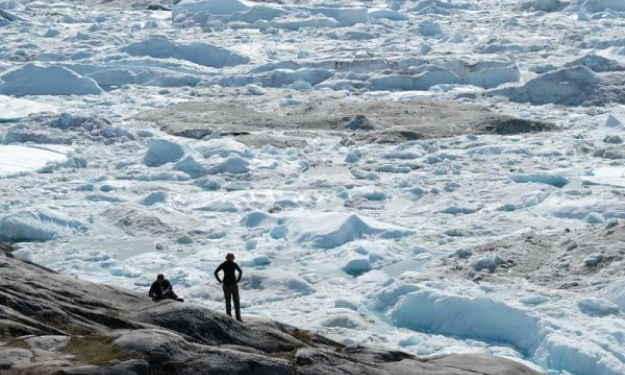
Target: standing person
point(231, 289)
point(162, 289)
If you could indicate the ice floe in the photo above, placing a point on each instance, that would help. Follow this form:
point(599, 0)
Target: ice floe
point(159, 46)
point(324, 230)
point(37, 225)
point(17, 159)
point(40, 79)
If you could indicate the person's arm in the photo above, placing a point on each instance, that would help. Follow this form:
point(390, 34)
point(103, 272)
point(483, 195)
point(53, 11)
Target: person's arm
point(217, 272)
point(151, 292)
point(167, 286)
point(236, 266)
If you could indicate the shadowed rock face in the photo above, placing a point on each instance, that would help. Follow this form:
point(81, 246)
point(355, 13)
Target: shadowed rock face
point(369, 121)
point(48, 323)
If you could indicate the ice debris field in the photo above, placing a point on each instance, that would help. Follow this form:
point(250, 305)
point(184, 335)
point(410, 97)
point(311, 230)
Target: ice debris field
point(473, 242)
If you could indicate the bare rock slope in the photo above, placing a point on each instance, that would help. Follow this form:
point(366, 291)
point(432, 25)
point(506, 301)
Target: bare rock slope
point(53, 324)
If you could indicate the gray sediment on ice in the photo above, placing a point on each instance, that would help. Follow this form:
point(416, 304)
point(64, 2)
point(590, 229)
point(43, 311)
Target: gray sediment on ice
point(255, 122)
point(568, 259)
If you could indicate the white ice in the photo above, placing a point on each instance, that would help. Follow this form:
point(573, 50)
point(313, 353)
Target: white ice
point(340, 237)
point(17, 159)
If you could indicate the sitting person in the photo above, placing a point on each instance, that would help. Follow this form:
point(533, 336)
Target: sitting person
point(162, 289)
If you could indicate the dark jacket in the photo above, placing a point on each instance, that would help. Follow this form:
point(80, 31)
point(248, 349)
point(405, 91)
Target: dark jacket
point(229, 267)
point(158, 289)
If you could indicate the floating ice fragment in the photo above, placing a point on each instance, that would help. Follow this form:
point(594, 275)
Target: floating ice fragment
point(223, 147)
point(191, 167)
point(37, 225)
point(213, 7)
point(613, 122)
point(542, 5)
point(209, 184)
point(343, 321)
point(611, 223)
point(261, 260)
point(154, 198)
point(40, 79)
point(615, 292)
point(613, 139)
point(472, 318)
point(597, 307)
point(430, 29)
point(508, 207)
point(251, 244)
point(593, 260)
point(388, 14)
point(326, 230)
point(594, 218)
point(353, 156)
point(535, 300)
point(568, 86)
point(233, 165)
point(291, 284)
point(278, 232)
point(255, 90)
point(541, 178)
point(487, 262)
point(103, 198)
point(161, 151)
point(345, 304)
point(357, 266)
point(596, 6)
point(185, 240)
point(159, 46)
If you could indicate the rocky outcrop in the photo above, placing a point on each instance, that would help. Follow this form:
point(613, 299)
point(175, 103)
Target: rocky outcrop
point(54, 324)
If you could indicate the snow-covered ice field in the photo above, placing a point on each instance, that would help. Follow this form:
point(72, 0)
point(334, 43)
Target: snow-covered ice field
point(511, 245)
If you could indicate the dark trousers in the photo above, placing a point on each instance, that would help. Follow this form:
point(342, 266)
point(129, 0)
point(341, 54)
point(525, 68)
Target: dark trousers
point(231, 291)
point(167, 295)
